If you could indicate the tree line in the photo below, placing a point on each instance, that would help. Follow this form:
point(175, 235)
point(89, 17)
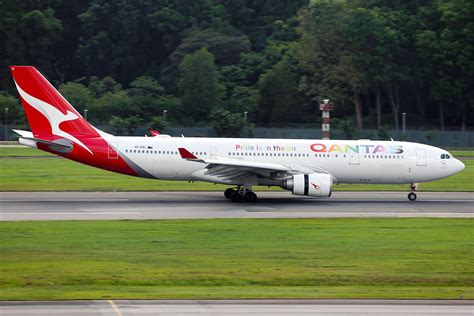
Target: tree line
point(270, 62)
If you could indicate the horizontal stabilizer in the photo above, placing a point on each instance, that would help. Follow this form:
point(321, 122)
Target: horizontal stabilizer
point(47, 142)
point(23, 133)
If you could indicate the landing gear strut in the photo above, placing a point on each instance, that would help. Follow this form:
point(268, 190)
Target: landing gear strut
point(412, 194)
point(240, 194)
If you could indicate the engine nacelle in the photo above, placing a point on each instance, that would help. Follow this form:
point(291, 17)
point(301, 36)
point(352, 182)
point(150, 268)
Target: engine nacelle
point(313, 184)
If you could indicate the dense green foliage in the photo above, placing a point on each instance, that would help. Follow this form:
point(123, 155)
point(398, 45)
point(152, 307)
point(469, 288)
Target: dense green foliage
point(212, 60)
point(237, 258)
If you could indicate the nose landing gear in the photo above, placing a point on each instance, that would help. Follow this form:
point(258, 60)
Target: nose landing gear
point(240, 194)
point(412, 195)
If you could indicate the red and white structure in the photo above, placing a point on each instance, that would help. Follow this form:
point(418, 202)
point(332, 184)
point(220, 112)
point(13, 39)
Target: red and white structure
point(326, 108)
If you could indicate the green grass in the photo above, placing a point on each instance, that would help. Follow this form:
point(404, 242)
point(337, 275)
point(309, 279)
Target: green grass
point(6, 151)
point(463, 153)
point(41, 174)
point(237, 258)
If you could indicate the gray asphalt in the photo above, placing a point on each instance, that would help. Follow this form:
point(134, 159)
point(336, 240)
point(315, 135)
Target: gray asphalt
point(244, 307)
point(17, 206)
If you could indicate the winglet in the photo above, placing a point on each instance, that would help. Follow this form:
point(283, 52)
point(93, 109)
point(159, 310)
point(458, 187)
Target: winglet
point(185, 154)
point(154, 132)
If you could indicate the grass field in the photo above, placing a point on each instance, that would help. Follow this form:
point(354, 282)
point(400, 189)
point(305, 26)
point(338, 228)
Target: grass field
point(463, 153)
point(238, 258)
point(42, 174)
point(22, 152)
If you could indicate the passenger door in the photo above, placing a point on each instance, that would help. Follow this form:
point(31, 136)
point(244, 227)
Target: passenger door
point(213, 153)
point(112, 150)
point(354, 158)
point(420, 157)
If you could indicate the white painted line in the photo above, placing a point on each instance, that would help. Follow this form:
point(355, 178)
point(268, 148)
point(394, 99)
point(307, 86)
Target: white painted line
point(70, 213)
point(259, 208)
point(68, 200)
point(115, 308)
point(422, 200)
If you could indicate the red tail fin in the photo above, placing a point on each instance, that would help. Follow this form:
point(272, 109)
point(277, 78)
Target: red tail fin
point(50, 115)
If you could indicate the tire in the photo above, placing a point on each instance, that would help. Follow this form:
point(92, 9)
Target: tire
point(228, 192)
point(250, 197)
point(412, 196)
point(235, 197)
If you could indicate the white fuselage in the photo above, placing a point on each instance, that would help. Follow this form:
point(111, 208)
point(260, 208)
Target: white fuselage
point(348, 161)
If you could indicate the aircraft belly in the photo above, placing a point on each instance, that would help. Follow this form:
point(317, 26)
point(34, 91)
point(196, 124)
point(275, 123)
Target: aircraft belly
point(174, 170)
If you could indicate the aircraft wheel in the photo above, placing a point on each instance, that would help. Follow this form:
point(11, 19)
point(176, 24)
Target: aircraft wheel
point(228, 192)
point(236, 197)
point(250, 197)
point(412, 196)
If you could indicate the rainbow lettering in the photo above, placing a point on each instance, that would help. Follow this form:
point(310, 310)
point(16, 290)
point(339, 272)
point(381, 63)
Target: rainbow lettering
point(281, 148)
point(364, 149)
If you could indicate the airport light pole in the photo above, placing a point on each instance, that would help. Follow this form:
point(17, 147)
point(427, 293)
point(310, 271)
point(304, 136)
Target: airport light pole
point(404, 123)
point(326, 109)
point(85, 114)
point(6, 123)
point(164, 115)
point(245, 123)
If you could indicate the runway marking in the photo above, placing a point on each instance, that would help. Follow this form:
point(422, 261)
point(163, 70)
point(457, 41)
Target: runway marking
point(72, 213)
point(114, 307)
point(258, 209)
point(68, 200)
point(446, 200)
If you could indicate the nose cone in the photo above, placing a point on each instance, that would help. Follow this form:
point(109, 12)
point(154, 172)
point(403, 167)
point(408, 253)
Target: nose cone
point(458, 166)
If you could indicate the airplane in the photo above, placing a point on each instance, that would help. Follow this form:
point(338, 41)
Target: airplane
point(303, 166)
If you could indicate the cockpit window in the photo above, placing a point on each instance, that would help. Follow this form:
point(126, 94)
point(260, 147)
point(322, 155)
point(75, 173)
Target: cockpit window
point(445, 156)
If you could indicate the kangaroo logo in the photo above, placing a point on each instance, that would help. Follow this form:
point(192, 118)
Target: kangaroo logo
point(316, 186)
point(53, 115)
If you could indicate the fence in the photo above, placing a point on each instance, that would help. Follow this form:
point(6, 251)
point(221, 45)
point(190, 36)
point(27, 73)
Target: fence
point(435, 138)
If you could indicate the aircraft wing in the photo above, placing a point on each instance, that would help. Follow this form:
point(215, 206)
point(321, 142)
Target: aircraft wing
point(228, 168)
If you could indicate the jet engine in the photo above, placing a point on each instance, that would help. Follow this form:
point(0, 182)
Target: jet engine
point(313, 184)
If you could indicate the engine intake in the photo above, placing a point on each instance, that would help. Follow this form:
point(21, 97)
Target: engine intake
point(313, 184)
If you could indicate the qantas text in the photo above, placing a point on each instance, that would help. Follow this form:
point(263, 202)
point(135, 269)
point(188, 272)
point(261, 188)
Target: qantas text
point(364, 149)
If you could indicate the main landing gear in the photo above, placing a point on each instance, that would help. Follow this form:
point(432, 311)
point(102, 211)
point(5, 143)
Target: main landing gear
point(412, 194)
point(240, 194)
